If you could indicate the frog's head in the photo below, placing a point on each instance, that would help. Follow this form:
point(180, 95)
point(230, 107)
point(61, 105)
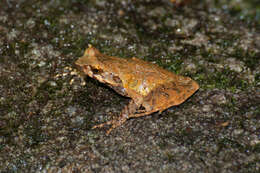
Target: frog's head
point(90, 58)
point(91, 63)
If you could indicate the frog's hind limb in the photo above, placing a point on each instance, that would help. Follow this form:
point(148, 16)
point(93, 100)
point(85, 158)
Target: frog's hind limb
point(132, 110)
point(126, 113)
point(119, 121)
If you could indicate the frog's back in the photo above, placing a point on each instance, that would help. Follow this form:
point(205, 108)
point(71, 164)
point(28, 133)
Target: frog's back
point(142, 76)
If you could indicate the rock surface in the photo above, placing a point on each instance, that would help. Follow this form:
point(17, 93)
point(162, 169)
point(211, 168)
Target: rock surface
point(46, 111)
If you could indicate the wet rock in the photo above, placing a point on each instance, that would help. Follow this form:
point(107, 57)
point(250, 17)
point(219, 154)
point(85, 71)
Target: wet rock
point(171, 22)
point(235, 65)
point(71, 110)
point(207, 108)
point(158, 11)
point(219, 99)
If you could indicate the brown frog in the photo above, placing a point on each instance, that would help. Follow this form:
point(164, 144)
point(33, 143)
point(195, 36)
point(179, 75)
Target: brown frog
point(150, 87)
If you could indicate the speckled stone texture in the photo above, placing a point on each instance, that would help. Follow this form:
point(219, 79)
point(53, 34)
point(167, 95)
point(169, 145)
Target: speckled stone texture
point(47, 110)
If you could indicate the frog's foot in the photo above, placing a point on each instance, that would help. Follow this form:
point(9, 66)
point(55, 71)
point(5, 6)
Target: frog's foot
point(103, 124)
point(114, 124)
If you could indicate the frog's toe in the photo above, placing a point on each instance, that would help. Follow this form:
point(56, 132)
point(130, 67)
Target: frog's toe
point(99, 126)
point(103, 124)
point(114, 123)
point(109, 130)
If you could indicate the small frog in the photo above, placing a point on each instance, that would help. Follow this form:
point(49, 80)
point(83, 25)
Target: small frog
point(150, 87)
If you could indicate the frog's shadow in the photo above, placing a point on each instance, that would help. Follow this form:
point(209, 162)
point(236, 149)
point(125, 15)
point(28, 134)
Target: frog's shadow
point(98, 85)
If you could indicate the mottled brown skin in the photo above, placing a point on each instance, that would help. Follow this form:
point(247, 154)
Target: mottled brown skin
point(150, 87)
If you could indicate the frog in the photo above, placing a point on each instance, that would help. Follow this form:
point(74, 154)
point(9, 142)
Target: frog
point(150, 87)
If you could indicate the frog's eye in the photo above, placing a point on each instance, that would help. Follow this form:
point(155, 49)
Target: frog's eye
point(96, 71)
